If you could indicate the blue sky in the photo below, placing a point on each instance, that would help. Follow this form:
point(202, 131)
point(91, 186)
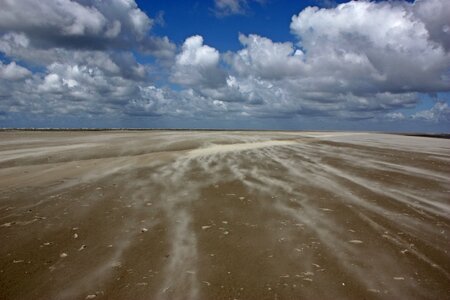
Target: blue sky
point(271, 19)
point(268, 64)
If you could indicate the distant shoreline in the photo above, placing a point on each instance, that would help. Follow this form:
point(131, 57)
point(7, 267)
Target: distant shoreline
point(418, 134)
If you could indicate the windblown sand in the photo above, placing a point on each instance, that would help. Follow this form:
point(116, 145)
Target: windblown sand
point(223, 215)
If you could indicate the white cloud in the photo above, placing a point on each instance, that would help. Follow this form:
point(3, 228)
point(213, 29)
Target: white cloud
point(197, 65)
point(72, 18)
point(369, 46)
point(440, 112)
point(224, 8)
point(151, 101)
point(282, 80)
point(395, 116)
point(194, 53)
point(84, 54)
point(65, 17)
point(264, 58)
point(12, 71)
point(229, 7)
point(30, 25)
point(52, 84)
point(435, 14)
point(357, 60)
point(351, 61)
point(160, 48)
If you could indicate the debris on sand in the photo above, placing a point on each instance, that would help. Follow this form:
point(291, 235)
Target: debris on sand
point(226, 233)
point(326, 209)
point(206, 227)
point(18, 261)
point(144, 230)
point(82, 247)
point(399, 278)
point(63, 255)
point(241, 198)
point(91, 296)
point(75, 235)
point(7, 224)
point(355, 241)
point(207, 283)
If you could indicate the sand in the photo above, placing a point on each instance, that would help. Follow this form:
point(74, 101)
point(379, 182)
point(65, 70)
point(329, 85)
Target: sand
point(223, 215)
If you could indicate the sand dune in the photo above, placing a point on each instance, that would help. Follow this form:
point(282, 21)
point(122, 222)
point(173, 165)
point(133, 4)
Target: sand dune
point(223, 215)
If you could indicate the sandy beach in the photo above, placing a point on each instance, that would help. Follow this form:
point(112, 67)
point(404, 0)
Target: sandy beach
point(223, 215)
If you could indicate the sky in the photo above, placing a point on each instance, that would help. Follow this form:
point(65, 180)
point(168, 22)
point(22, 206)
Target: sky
point(228, 64)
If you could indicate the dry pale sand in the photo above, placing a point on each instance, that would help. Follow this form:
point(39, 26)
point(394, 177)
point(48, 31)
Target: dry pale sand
point(223, 215)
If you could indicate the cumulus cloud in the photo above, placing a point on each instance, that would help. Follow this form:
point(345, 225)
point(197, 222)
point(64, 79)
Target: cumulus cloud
point(67, 18)
point(440, 112)
point(232, 7)
point(357, 60)
point(75, 24)
point(224, 7)
point(263, 58)
point(78, 90)
point(154, 102)
point(151, 101)
point(12, 71)
point(369, 47)
point(160, 47)
point(84, 54)
point(197, 65)
point(395, 116)
point(435, 15)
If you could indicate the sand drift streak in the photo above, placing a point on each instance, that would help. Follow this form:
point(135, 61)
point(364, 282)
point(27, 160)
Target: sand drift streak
point(223, 215)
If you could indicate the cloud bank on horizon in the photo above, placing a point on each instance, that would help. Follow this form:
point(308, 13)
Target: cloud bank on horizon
point(358, 60)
